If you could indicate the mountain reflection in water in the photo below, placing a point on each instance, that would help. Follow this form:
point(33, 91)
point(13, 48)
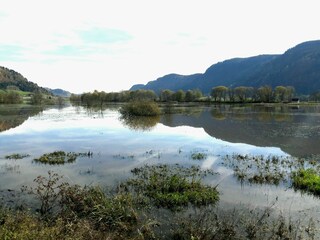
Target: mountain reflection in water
point(294, 129)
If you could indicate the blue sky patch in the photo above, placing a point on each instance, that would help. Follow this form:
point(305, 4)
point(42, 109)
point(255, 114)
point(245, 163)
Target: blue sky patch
point(104, 35)
point(11, 53)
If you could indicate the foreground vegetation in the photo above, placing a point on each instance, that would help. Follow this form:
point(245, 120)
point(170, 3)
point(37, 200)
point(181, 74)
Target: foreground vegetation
point(156, 202)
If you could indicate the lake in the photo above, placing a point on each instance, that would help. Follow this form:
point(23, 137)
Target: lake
point(118, 145)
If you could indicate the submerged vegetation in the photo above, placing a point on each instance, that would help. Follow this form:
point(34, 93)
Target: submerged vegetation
point(301, 174)
point(173, 187)
point(17, 156)
point(60, 157)
point(260, 169)
point(137, 209)
point(158, 202)
point(198, 156)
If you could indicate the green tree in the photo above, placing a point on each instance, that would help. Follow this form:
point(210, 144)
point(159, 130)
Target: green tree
point(315, 96)
point(193, 95)
point(265, 94)
point(243, 93)
point(37, 98)
point(219, 93)
point(179, 96)
point(290, 93)
point(75, 98)
point(232, 95)
point(12, 97)
point(142, 95)
point(166, 95)
point(280, 93)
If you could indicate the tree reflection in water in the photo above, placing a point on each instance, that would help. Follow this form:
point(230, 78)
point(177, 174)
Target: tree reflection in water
point(12, 116)
point(140, 123)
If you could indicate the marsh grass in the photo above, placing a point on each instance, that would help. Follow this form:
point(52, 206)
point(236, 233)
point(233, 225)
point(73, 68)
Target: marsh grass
point(92, 213)
point(173, 187)
point(261, 169)
point(16, 156)
point(198, 156)
point(60, 157)
point(300, 173)
point(307, 180)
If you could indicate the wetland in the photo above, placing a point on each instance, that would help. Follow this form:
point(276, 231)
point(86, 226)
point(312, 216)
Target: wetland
point(228, 160)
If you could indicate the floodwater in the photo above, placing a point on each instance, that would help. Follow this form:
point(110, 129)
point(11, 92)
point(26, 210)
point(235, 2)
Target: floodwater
point(120, 145)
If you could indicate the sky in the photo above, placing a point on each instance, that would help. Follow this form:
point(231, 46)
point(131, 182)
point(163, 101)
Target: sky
point(109, 45)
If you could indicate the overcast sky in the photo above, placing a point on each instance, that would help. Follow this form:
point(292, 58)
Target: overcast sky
point(111, 45)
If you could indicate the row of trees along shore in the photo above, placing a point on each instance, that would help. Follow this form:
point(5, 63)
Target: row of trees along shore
point(218, 94)
point(10, 97)
point(16, 96)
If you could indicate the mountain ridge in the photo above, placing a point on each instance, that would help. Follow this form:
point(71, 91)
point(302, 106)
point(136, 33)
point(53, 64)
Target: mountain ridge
point(299, 67)
point(59, 92)
point(11, 78)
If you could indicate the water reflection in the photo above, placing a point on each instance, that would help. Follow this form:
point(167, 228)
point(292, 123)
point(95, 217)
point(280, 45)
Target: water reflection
point(252, 112)
point(295, 129)
point(12, 116)
point(117, 149)
point(140, 123)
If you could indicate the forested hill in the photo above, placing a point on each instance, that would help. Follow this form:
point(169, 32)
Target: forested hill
point(10, 79)
point(298, 67)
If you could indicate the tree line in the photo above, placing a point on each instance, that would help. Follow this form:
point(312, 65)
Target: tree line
point(218, 94)
point(98, 98)
point(10, 97)
point(14, 96)
point(250, 94)
point(315, 96)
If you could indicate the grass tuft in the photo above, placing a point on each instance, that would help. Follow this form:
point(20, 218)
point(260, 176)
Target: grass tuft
point(60, 157)
point(198, 156)
point(17, 156)
point(307, 180)
point(173, 187)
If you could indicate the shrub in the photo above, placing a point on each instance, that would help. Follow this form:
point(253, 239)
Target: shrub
point(48, 191)
point(140, 108)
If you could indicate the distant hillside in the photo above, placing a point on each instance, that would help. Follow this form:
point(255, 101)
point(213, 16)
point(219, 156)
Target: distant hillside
point(59, 92)
point(298, 67)
point(11, 78)
point(172, 81)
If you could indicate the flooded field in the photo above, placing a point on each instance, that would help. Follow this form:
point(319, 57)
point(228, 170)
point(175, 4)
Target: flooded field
point(225, 139)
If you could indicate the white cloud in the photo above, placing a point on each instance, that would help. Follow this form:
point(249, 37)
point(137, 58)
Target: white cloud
point(110, 45)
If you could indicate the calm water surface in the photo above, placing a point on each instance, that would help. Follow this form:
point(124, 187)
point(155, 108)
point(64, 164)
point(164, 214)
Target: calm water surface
point(118, 145)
